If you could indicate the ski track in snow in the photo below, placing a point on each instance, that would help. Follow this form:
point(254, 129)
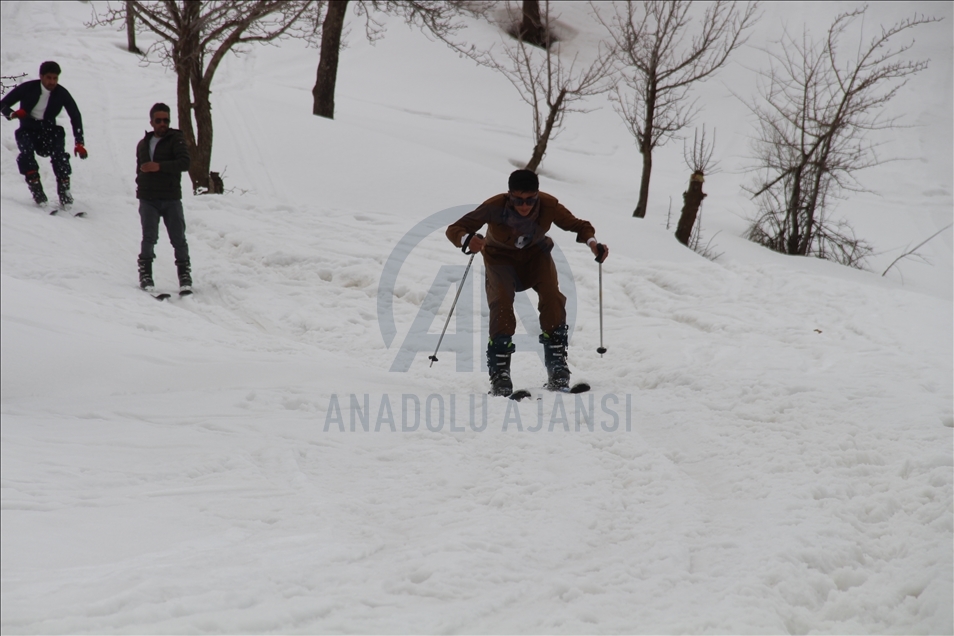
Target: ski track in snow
point(166, 466)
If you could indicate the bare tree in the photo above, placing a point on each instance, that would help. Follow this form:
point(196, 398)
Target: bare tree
point(435, 17)
point(545, 81)
point(659, 65)
point(131, 29)
point(816, 110)
point(195, 36)
point(699, 160)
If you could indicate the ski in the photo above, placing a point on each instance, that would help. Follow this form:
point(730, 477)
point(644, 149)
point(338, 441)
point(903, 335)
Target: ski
point(79, 215)
point(579, 387)
point(183, 293)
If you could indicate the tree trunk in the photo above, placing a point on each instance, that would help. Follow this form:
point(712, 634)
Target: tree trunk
point(184, 110)
point(324, 90)
point(541, 148)
point(692, 199)
point(186, 53)
point(532, 30)
point(794, 207)
point(646, 150)
point(131, 28)
point(640, 211)
point(201, 163)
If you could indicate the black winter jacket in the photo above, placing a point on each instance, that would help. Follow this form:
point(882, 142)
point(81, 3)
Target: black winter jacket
point(28, 94)
point(172, 155)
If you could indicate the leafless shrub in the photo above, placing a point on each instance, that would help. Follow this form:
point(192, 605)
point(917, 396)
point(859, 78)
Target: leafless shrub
point(817, 107)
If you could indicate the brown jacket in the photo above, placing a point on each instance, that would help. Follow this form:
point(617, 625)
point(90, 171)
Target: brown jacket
point(505, 224)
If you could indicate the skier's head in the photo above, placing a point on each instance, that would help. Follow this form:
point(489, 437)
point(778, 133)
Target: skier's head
point(159, 118)
point(49, 67)
point(524, 190)
point(523, 181)
point(49, 75)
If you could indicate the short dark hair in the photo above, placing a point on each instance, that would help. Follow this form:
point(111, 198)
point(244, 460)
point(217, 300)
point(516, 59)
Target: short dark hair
point(49, 67)
point(523, 181)
point(158, 107)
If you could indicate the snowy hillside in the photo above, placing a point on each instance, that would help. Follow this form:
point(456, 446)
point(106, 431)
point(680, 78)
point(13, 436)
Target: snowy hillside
point(767, 448)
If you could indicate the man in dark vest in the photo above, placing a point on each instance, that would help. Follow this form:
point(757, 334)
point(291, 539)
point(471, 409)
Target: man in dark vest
point(40, 102)
point(161, 158)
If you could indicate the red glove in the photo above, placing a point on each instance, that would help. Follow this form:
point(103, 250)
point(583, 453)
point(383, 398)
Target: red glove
point(80, 151)
point(18, 114)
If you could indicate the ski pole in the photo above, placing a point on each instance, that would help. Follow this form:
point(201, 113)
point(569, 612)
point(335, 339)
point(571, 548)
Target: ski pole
point(460, 288)
point(601, 349)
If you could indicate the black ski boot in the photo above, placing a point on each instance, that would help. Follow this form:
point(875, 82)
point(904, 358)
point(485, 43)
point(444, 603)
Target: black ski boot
point(184, 269)
point(499, 351)
point(36, 188)
point(63, 190)
point(145, 275)
point(554, 356)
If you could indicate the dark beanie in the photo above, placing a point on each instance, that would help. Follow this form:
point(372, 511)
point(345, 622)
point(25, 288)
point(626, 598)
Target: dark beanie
point(523, 181)
point(49, 67)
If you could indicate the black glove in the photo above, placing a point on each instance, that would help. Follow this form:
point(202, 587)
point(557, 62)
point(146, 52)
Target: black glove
point(600, 253)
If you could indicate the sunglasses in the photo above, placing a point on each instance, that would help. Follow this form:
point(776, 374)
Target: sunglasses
point(160, 120)
point(517, 201)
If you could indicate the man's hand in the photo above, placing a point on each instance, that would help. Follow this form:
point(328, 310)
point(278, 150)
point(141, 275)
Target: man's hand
point(80, 151)
point(600, 251)
point(17, 114)
point(149, 166)
point(476, 244)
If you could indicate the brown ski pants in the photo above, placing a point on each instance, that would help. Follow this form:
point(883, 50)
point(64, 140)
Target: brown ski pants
point(510, 271)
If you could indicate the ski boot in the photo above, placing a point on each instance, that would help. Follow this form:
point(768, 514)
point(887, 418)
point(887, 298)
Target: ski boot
point(184, 269)
point(63, 190)
point(554, 356)
point(145, 275)
point(499, 351)
point(36, 188)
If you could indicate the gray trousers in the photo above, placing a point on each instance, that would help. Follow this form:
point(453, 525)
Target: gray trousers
point(170, 211)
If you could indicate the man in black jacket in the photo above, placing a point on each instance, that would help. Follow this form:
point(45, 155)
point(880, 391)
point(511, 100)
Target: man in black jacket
point(40, 102)
point(161, 158)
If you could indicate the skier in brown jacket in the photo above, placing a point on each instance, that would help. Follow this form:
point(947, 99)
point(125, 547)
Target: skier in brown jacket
point(517, 257)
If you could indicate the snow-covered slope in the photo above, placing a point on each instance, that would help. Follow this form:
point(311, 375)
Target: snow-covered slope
point(767, 447)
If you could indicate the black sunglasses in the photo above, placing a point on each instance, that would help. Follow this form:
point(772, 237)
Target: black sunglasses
point(521, 201)
point(162, 120)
